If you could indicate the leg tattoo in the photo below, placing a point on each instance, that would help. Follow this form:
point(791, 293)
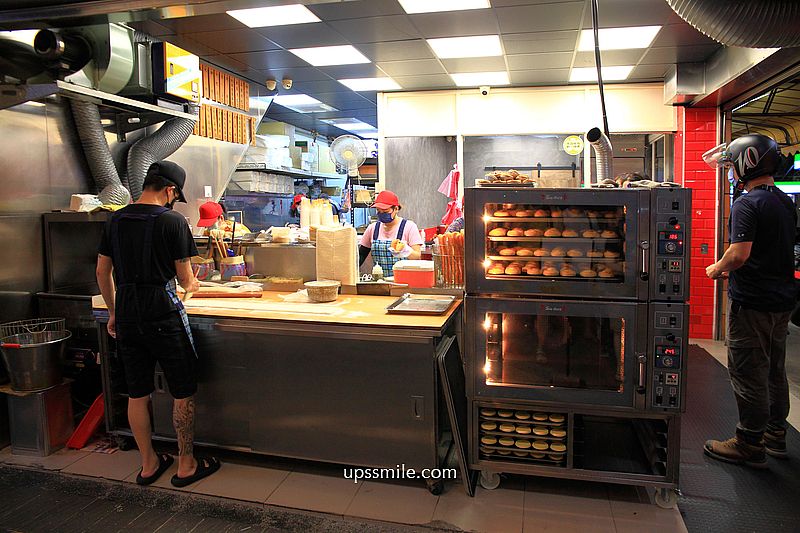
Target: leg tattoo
point(183, 420)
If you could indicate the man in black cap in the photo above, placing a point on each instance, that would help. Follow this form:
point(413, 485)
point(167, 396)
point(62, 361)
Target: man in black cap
point(760, 266)
point(146, 245)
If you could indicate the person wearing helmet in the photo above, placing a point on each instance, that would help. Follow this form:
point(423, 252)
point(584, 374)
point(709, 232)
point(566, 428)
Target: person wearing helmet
point(392, 237)
point(759, 264)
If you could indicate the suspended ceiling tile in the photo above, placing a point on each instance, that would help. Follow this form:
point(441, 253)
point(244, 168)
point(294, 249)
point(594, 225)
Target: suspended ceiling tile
point(320, 86)
point(539, 61)
point(618, 13)
point(303, 35)
point(356, 9)
point(296, 74)
point(456, 23)
point(680, 35)
point(193, 46)
point(234, 41)
point(226, 62)
point(511, 3)
point(540, 77)
point(195, 24)
point(474, 64)
point(376, 29)
point(650, 72)
point(342, 100)
point(363, 70)
point(396, 50)
point(545, 41)
point(432, 81)
point(610, 58)
point(542, 17)
point(411, 68)
point(270, 60)
point(153, 28)
point(679, 54)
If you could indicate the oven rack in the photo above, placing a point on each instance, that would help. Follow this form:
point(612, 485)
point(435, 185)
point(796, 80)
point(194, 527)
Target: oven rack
point(576, 220)
point(530, 422)
point(579, 240)
point(514, 434)
point(523, 460)
point(556, 258)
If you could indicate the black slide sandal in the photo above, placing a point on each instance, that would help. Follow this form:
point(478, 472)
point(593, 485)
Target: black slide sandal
point(205, 467)
point(164, 462)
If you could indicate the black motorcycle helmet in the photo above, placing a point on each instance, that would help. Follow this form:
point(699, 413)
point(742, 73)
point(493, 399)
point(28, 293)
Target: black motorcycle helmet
point(753, 156)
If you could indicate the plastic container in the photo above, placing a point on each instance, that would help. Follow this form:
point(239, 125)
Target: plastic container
point(232, 266)
point(414, 272)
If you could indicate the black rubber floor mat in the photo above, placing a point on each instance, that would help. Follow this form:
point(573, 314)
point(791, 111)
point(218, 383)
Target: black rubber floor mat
point(720, 497)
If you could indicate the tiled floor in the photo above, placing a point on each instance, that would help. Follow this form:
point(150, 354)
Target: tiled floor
point(519, 505)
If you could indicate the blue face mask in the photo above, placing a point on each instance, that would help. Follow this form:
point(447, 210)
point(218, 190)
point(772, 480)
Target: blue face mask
point(386, 218)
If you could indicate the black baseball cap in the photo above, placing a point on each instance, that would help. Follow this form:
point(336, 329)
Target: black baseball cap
point(171, 172)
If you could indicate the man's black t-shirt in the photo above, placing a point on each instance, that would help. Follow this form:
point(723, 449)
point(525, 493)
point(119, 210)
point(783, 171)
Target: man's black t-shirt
point(767, 218)
point(172, 240)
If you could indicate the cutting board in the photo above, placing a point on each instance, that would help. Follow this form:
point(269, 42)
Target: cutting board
point(224, 292)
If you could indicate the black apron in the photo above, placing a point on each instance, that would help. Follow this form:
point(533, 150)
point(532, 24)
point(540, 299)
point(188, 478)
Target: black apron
point(133, 289)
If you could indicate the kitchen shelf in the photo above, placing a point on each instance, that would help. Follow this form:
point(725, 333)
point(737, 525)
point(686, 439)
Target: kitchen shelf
point(563, 278)
point(293, 172)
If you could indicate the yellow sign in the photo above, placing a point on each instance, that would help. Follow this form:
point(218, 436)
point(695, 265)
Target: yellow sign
point(181, 73)
point(573, 145)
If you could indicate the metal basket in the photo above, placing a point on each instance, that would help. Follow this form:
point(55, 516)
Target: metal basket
point(448, 269)
point(36, 328)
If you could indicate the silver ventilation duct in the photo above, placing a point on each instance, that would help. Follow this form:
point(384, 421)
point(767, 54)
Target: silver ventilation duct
point(97, 153)
point(745, 23)
point(156, 147)
point(602, 152)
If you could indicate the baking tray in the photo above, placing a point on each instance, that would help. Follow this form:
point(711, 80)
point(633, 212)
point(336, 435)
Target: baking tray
point(507, 185)
point(421, 304)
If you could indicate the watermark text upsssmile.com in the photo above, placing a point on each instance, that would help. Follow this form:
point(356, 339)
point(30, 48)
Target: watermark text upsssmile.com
point(399, 472)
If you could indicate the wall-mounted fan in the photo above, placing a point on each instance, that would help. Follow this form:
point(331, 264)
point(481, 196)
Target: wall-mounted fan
point(348, 151)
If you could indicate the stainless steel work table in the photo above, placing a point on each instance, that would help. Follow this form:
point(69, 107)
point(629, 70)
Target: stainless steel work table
point(342, 382)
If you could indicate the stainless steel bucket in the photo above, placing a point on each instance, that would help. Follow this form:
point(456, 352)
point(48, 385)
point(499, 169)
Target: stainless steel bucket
point(36, 364)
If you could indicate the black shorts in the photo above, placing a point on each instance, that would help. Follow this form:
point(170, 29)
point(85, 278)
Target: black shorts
point(165, 342)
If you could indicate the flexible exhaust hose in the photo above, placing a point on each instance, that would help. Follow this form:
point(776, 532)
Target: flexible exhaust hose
point(156, 147)
point(747, 23)
point(97, 153)
point(602, 152)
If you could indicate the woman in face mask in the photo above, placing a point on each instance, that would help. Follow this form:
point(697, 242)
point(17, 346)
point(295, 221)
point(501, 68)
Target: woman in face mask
point(392, 237)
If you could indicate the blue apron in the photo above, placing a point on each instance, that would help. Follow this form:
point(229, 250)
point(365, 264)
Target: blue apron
point(128, 288)
point(380, 250)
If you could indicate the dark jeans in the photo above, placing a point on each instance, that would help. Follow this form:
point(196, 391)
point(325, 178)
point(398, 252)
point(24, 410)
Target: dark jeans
point(756, 364)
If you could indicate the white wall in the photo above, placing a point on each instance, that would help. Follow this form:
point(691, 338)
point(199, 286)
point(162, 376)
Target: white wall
point(631, 108)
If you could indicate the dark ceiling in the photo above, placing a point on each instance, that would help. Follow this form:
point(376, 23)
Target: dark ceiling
point(539, 39)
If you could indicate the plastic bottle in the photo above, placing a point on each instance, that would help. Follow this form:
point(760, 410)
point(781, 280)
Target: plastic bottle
point(377, 272)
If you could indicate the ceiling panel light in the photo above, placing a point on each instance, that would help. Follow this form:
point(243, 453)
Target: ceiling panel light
point(371, 84)
point(609, 73)
point(302, 103)
point(351, 124)
point(480, 46)
point(476, 79)
point(260, 17)
point(619, 38)
point(432, 6)
point(323, 56)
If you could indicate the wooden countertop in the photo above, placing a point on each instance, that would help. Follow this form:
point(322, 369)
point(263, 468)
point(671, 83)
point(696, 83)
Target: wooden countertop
point(353, 310)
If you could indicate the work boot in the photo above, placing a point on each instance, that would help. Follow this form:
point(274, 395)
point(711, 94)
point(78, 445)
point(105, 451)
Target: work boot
point(775, 442)
point(737, 451)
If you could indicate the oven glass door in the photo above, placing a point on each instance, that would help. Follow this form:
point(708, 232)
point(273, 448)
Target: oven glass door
point(570, 243)
point(572, 352)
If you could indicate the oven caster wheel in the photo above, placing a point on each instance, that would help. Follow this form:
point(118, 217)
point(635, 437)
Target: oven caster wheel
point(123, 443)
point(489, 480)
point(435, 486)
point(666, 498)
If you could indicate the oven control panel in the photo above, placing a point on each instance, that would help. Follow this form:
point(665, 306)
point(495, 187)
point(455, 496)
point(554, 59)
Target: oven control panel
point(671, 210)
point(668, 344)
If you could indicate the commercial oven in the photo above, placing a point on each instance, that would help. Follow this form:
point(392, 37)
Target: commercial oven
point(620, 244)
point(576, 332)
